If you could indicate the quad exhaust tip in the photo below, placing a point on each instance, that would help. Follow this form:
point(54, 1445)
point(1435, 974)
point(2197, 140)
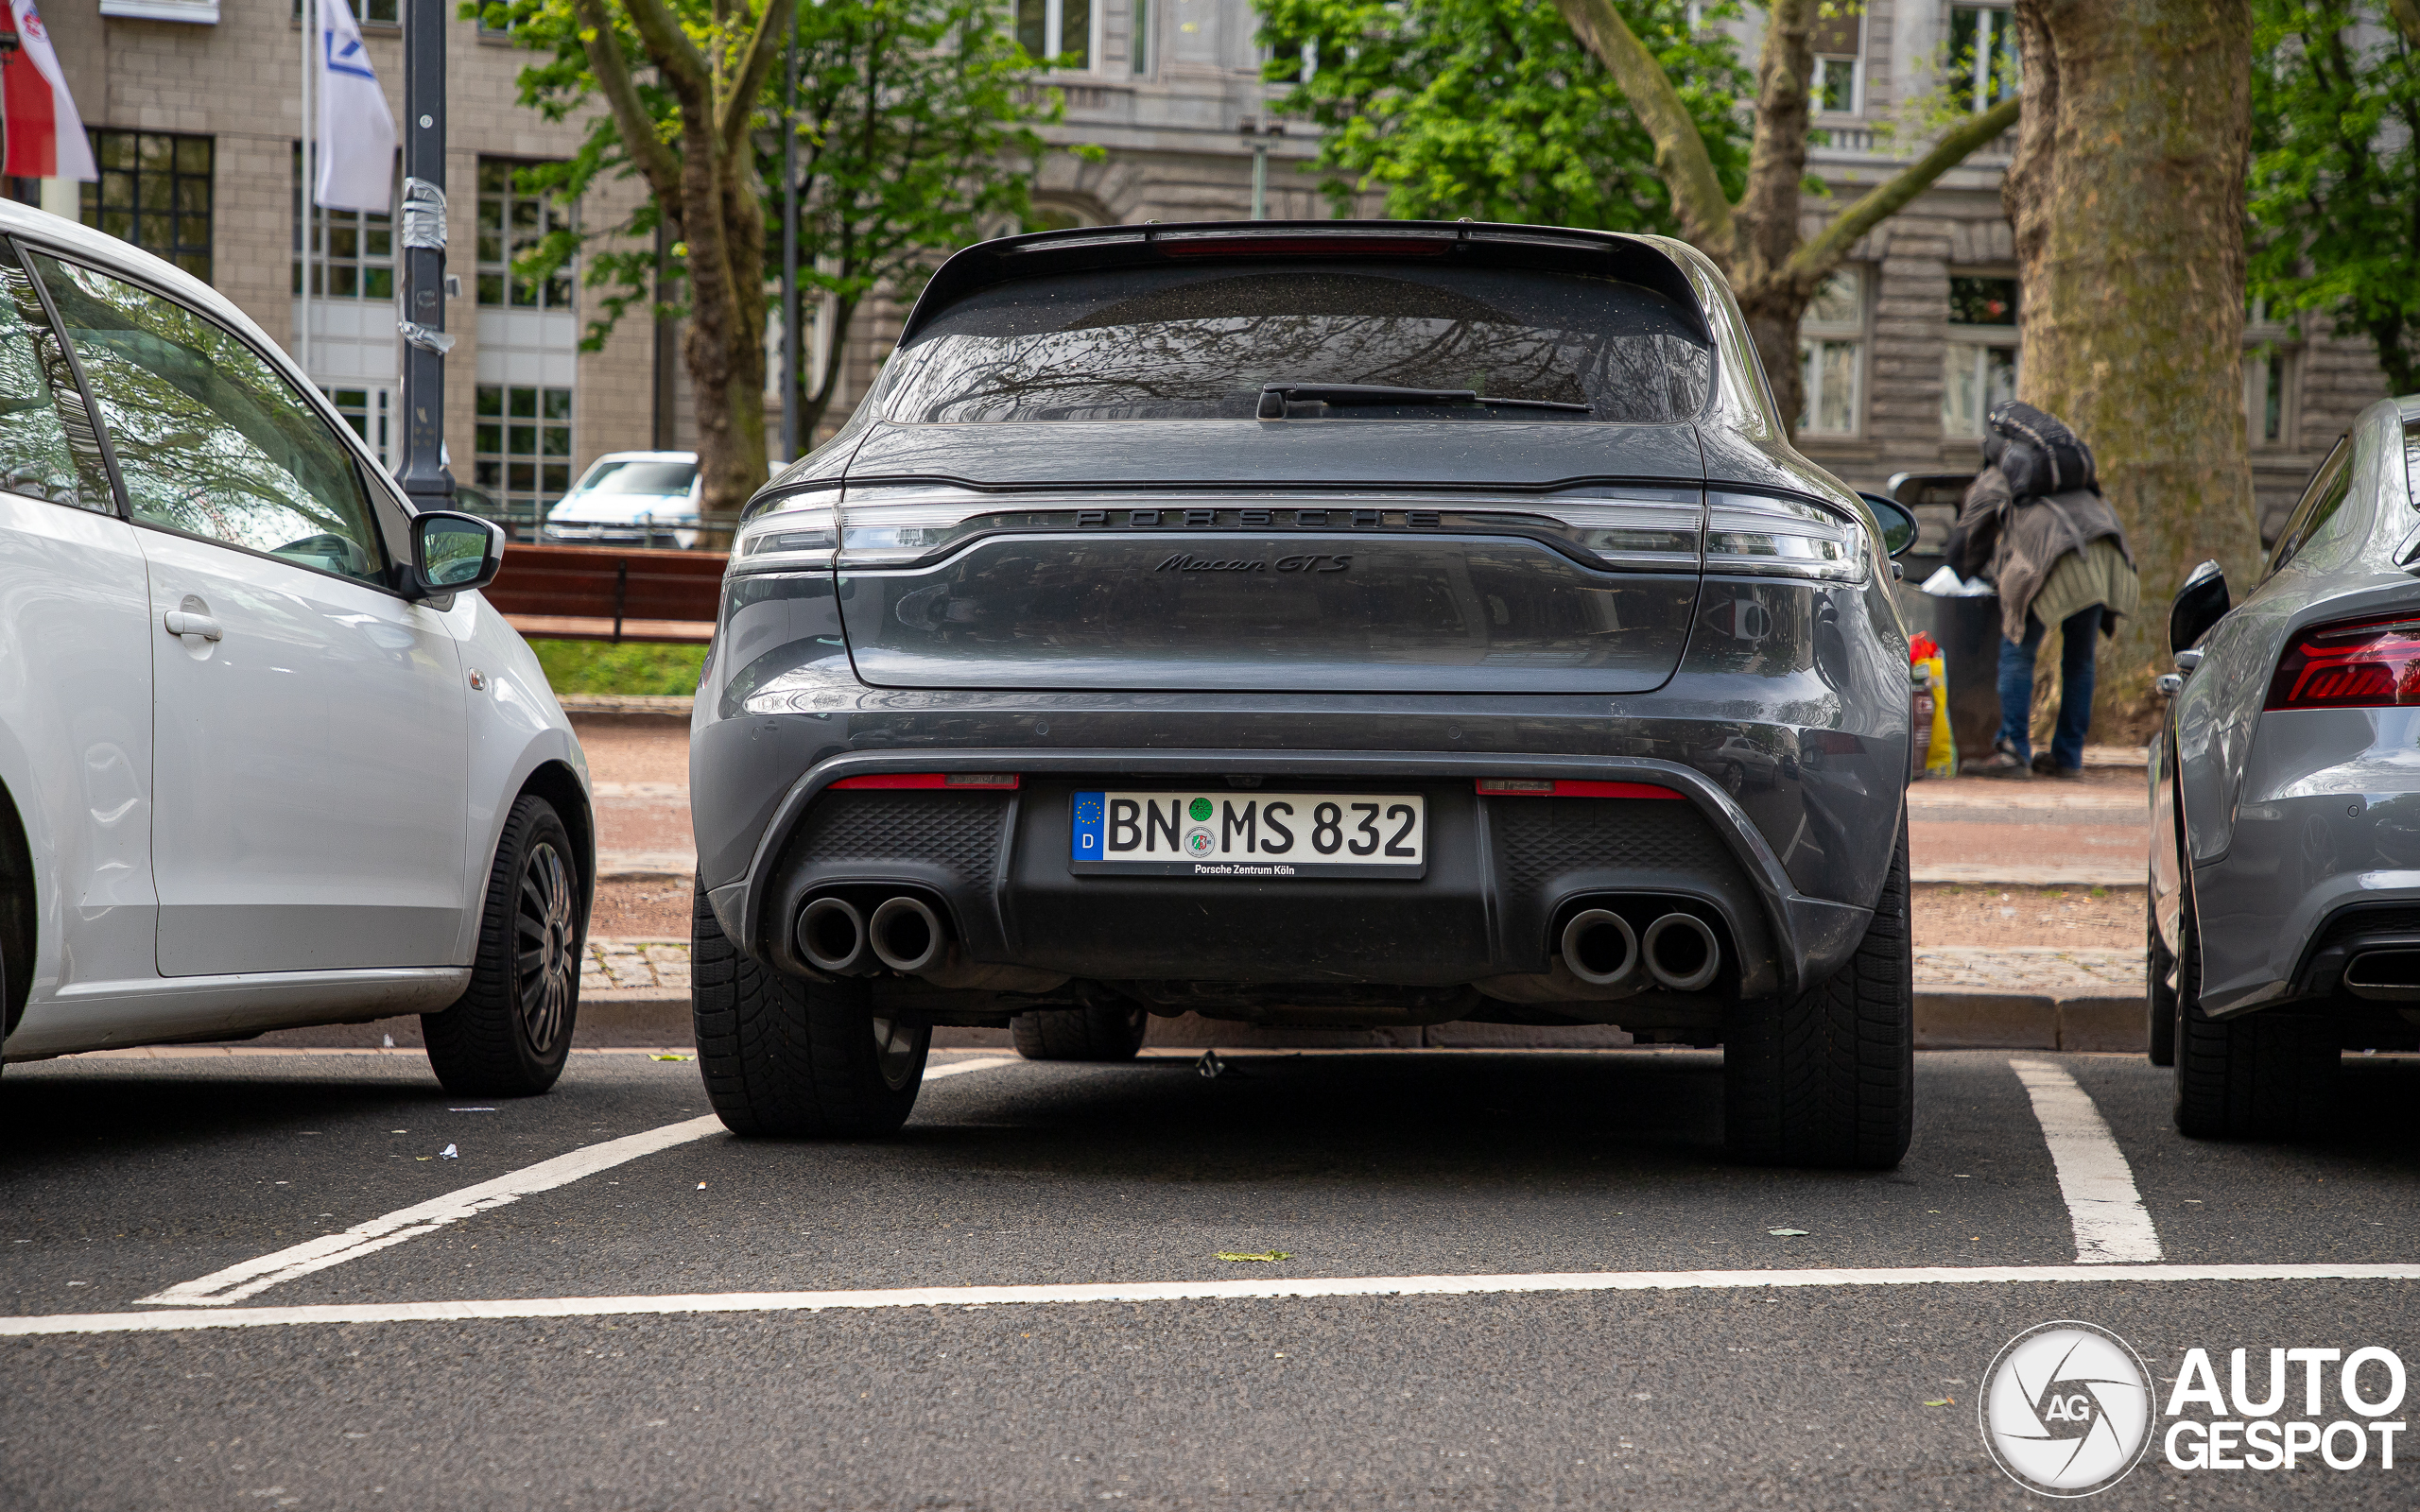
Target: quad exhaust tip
point(1682, 953)
point(832, 934)
point(1599, 948)
point(906, 934)
point(2386, 976)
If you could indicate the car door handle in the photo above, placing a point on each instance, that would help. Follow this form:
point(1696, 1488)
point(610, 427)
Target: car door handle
point(181, 623)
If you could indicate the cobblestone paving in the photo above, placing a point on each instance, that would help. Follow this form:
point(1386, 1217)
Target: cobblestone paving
point(2037, 969)
point(628, 965)
point(635, 965)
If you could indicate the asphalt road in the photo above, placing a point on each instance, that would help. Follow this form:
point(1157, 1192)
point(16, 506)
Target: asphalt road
point(124, 1176)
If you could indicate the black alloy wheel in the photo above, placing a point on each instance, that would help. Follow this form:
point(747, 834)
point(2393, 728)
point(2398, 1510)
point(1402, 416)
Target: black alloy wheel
point(510, 1035)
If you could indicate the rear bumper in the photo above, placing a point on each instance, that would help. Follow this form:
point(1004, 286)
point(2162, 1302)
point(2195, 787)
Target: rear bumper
point(1502, 871)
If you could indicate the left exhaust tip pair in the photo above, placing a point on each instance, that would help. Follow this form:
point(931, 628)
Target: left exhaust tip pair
point(904, 934)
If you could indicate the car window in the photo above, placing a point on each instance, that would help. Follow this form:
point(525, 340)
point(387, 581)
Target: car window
point(1199, 343)
point(640, 477)
point(40, 406)
point(210, 440)
point(2328, 487)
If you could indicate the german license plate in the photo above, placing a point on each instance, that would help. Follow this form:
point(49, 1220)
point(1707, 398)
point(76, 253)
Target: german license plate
point(1248, 837)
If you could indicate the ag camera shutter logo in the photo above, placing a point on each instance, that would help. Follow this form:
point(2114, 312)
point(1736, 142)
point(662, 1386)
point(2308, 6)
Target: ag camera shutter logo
point(2067, 1409)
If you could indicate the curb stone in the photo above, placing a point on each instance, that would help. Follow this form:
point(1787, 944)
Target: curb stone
point(1946, 1020)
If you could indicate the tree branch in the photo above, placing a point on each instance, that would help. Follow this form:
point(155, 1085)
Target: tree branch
point(2407, 19)
point(1824, 252)
point(666, 44)
point(659, 163)
point(755, 65)
point(1681, 157)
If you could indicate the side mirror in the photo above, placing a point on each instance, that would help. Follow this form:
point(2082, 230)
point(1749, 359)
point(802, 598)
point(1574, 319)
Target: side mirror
point(2200, 603)
point(1899, 522)
point(452, 552)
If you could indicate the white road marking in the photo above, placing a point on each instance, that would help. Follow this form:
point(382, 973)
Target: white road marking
point(2111, 1225)
point(1645, 1280)
point(254, 1276)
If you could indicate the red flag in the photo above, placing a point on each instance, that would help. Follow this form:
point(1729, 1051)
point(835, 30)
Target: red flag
point(45, 135)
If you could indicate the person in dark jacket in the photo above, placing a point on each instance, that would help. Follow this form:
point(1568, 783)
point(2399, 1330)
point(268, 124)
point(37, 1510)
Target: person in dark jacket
point(2034, 523)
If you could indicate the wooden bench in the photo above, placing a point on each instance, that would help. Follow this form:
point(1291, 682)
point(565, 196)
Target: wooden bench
point(609, 592)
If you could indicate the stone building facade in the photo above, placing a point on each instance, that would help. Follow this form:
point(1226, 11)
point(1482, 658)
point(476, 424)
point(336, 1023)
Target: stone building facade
point(207, 93)
point(1904, 351)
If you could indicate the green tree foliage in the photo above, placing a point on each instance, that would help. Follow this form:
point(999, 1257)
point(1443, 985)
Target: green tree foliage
point(914, 127)
point(1491, 109)
point(2334, 196)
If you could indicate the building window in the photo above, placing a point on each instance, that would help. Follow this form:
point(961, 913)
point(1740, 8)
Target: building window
point(1980, 69)
point(512, 221)
point(1838, 85)
point(352, 252)
point(369, 12)
point(155, 192)
point(369, 412)
point(1139, 26)
point(522, 457)
point(1978, 362)
point(2266, 382)
point(1059, 32)
point(1831, 356)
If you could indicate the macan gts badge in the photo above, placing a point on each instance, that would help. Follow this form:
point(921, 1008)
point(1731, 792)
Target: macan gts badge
point(1326, 624)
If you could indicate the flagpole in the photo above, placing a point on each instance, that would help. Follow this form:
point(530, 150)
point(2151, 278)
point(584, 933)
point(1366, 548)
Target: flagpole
point(302, 314)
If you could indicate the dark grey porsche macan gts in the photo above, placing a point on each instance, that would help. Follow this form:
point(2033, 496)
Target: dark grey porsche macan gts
point(1310, 624)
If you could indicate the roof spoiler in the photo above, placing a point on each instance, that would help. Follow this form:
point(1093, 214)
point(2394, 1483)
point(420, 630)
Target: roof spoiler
point(1087, 248)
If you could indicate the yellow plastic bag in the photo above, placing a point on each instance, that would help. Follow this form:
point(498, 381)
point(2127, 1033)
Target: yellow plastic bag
point(1940, 755)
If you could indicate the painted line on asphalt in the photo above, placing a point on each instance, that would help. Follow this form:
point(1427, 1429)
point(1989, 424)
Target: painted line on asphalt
point(253, 1276)
point(1645, 1280)
point(2112, 1225)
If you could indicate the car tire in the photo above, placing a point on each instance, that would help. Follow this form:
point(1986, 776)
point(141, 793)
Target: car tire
point(1828, 1078)
point(1095, 1033)
point(508, 1034)
point(2159, 998)
point(2262, 1076)
point(783, 1056)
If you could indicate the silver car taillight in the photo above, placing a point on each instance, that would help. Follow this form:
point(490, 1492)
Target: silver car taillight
point(1788, 538)
point(800, 531)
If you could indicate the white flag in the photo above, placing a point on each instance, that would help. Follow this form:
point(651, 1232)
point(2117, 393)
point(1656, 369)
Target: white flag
point(357, 132)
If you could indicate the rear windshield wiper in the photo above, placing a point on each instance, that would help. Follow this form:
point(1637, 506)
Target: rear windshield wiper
point(1276, 397)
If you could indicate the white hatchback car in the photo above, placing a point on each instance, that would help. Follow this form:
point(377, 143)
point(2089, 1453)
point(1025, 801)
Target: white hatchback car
point(630, 498)
point(267, 756)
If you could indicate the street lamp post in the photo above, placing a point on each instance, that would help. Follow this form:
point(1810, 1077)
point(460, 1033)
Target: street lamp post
point(423, 474)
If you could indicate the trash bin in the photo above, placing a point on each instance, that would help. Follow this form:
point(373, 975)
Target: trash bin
point(1968, 629)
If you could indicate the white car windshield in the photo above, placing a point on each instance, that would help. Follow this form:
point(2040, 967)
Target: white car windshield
point(653, 478)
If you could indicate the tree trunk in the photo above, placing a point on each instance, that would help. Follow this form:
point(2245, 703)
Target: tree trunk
point(724, 341)
point(2128, 197)
point(1765, 227)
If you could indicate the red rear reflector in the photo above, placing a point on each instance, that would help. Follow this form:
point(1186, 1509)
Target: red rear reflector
point(2372, 664)
point(1001, 780)
point(1533, 787)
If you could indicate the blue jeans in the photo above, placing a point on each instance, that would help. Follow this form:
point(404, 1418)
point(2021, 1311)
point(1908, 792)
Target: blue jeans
point(2076, 636)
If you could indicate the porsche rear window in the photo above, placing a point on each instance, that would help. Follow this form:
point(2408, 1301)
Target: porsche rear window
point(1201, 343)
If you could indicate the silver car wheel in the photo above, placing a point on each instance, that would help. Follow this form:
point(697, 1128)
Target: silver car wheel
point(546, 956)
